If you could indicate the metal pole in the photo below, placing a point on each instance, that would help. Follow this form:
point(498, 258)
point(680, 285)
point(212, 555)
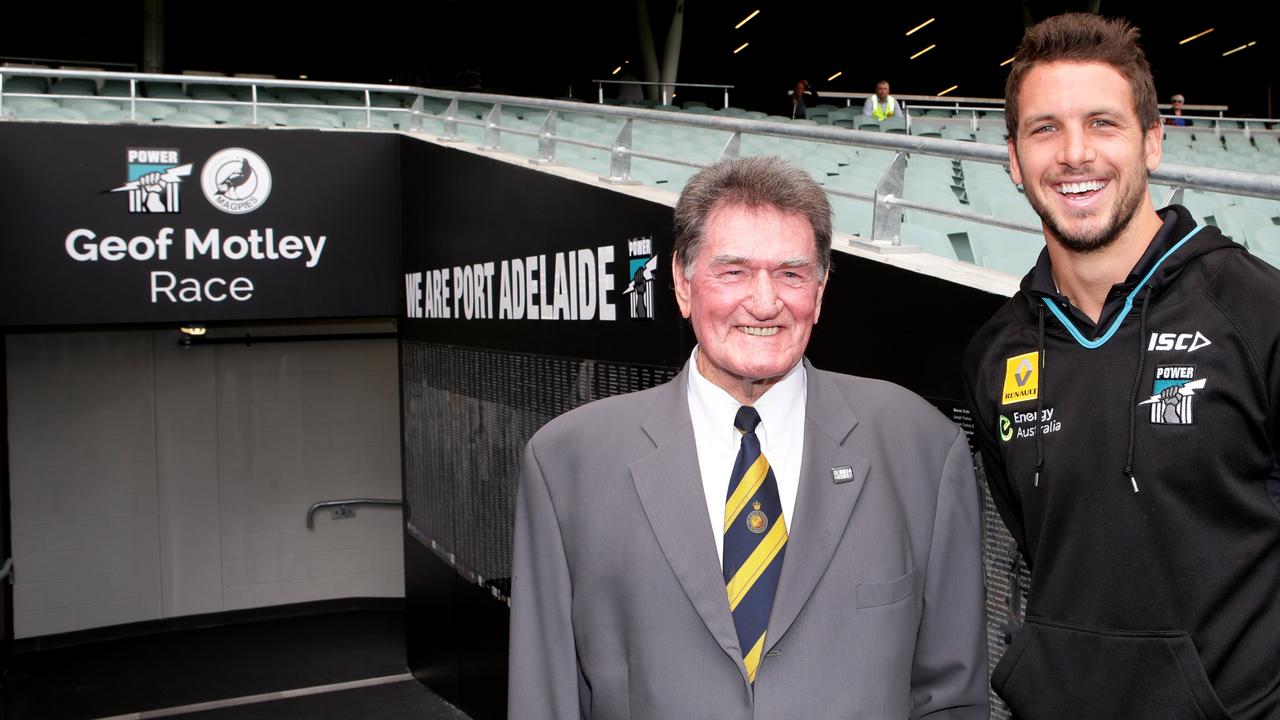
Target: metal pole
point(153, 36)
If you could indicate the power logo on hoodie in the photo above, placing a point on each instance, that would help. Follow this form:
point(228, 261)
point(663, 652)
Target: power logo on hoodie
point(1172, 394)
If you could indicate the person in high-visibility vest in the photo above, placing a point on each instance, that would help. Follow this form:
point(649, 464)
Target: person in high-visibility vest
point(881, 105)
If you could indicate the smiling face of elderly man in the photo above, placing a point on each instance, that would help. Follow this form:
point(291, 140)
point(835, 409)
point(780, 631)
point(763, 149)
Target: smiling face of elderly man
point(753, 246)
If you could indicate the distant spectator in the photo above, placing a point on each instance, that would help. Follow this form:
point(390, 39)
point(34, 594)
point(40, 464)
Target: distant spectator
point(881, 105)
point(1175, 117)
point(800, 99)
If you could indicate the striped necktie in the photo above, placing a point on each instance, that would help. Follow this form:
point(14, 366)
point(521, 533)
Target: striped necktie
point(755, 539)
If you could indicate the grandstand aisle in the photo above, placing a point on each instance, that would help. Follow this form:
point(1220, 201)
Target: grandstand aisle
point(344, 664)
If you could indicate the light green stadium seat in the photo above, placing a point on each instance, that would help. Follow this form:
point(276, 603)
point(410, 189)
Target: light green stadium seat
point(110, 115)
point(216, 113)
point(1203, 206)
point(189, 118)
point(74, 86)
point(1015, 211)
point(931, 241)
point(851, 216)
point(1268, 206)
point(23, 104)
point(266, 116)
point(52, 113)
point(152, 110)
point(1265, 239)
point(1007, 250)
point(92, 105)
point(307, 117)
point(897, 123)
point(1235, 221)
point(162, 90)
point(24, 84)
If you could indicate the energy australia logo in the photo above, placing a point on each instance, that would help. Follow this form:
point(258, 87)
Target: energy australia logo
point(236, 181)
point(643, 265)
point(154, 180)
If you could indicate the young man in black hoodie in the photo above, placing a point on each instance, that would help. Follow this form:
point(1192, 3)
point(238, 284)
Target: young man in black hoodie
point(1126, 406)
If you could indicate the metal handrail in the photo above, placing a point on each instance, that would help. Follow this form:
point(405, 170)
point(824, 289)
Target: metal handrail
point(311, 511)
point(253, 83)
point(666, 86)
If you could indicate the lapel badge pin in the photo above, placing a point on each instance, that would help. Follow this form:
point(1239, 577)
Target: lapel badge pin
point(841, 474)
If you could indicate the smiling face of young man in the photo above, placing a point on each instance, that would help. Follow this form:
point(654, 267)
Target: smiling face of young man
point(753, 298)
point(1082, 155)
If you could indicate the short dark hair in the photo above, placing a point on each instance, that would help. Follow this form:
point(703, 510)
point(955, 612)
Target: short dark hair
point(752, 182)
point(1083, 37)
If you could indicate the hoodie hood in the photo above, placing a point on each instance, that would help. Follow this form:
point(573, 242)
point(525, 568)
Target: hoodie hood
point(1168, 254)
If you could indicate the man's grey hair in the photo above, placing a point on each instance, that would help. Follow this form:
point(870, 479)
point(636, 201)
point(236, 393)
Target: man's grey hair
point(753, 183)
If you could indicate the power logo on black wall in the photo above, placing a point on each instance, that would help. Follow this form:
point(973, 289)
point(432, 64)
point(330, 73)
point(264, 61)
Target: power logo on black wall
point(154, 180)
point(643, 264)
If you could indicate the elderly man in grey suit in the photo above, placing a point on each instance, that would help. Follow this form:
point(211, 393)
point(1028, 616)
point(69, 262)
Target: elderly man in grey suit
point(756, 538)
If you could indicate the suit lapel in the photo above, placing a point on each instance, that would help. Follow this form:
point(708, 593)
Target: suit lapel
point(670, 488)
point(823, 507)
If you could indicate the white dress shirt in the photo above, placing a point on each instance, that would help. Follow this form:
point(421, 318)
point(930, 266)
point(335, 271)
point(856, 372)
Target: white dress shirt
point(781, 433)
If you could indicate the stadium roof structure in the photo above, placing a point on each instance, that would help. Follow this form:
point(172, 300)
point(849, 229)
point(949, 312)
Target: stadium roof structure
point(557, 49)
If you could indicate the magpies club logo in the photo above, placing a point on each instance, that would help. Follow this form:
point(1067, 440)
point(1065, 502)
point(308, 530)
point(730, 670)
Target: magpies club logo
point(236, 181)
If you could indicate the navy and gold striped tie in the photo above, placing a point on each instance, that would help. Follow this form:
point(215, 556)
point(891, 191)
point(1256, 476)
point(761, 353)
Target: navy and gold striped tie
point(755, 540)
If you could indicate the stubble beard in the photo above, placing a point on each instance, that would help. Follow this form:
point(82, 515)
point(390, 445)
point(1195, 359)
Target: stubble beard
point(1084, 243)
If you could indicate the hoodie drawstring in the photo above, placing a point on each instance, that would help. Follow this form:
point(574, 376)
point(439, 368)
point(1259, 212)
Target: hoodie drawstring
point(1137, 383)
point(1039, 399)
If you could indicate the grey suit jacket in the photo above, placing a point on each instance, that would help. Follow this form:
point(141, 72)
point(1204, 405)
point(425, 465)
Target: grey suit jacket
point(619, 608)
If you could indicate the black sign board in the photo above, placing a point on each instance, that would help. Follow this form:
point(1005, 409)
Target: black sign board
point(139, 224)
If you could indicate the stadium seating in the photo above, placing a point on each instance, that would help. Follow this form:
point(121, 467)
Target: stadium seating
point(964, 185)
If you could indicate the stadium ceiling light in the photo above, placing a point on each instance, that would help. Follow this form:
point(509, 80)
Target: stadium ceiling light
point(913, 57)
point(741, 47)
point(1197, 35)
point(616, 70)
point(746, 19)
point(833, 77)
point(921, 25)
point(1006, 62)
point(944, 92)
point(1242, 47)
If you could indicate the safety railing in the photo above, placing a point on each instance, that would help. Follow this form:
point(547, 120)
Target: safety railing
point(886, 226)
point(341, 504)
point(887, 198)
point(667, 89)
point(255, 86)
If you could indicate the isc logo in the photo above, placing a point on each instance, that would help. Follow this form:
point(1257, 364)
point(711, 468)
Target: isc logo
point(1177, 341)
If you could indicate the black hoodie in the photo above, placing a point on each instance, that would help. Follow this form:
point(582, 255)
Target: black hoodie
point(1135, 463)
